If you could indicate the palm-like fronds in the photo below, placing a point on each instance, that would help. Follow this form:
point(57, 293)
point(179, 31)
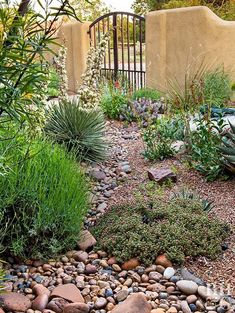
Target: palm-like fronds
point(82, 131)
point(228, 149)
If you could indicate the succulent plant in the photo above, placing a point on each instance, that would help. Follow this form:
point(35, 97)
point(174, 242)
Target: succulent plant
point(187, 195)
point(228, 149)
point(142, 110)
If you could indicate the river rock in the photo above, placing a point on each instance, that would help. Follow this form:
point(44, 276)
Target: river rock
point(185, 307)
point(130, 264)
point(86, 240)
point(187, 287)
point(68, 292)
point(80, 256)
point(100, 303)
point(76, 308)
point(163, 261)
point(135, 303)
point(206, 292)
point(14, 302)
point(122, 295)
point(39, 289)
point(97, 174)
point(155, 276)
point(57, 304)
point(190, 276)
point(40, 302)
point(169, 272)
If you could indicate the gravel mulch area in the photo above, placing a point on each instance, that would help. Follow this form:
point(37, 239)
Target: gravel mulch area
point(222, 193)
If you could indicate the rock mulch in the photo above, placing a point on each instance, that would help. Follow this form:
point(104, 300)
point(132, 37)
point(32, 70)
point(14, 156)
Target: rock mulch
point(84, 281)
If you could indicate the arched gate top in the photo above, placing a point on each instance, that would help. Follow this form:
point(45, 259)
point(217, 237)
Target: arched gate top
point(116, 13)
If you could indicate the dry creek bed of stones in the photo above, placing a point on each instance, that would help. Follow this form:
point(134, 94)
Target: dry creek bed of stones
point(84, 281)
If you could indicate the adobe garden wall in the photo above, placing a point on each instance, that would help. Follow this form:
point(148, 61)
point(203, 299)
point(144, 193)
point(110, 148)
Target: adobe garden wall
point(175, 39)
point(179, 38)
point(74, 36)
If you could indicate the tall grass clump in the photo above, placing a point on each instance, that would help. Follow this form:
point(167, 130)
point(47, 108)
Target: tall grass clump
point(43, 200)
point(79, 129)
point(217, 88)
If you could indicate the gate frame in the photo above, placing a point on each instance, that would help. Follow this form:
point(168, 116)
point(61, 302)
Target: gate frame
point(115, 44)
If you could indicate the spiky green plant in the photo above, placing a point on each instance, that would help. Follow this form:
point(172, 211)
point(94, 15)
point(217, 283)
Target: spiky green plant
point(81, 130)
point(228, 149)
point(2, 276)
point(185, 194)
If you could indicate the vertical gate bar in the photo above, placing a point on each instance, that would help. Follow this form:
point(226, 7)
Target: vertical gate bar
point(122, 39)
point(98, 31)
point(115, 45)
point(109, 57)
point(95, 36)
point(134, 48)
point(105, 49)
point(128, 48)
point(141, 55)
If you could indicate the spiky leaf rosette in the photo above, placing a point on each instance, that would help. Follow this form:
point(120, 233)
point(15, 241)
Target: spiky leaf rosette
point(81, 130)
point(228, 148)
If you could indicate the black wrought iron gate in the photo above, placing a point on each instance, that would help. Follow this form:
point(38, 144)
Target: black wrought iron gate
point(125, 55)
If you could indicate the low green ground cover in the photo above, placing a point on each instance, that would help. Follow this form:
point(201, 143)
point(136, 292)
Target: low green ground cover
point(179, 227)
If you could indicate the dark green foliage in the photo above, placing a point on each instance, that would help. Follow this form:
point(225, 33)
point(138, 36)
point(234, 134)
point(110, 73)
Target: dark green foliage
point(204, 148)
point(217, 88)
point(113, 101)
point(82, 131)
point(43, 200)
point(159, 137)
point(179, 228)
point(147, 93)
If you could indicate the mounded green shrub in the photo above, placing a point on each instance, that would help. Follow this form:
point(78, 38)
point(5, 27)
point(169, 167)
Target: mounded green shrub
point(43, 200)
point(178, 228)
point(113, 101)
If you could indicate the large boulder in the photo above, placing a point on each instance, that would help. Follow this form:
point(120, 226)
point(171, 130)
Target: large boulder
point(68, 292)
point(160, 175)
point(14, 302)
point(135, 303)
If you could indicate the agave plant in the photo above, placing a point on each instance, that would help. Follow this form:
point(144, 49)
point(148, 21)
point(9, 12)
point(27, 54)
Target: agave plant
point(81, 130)
point(228, 149)
point(2, 277)
point(207, 205)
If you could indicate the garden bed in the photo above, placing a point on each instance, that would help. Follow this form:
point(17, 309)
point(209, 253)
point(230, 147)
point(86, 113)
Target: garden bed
point(220, 192)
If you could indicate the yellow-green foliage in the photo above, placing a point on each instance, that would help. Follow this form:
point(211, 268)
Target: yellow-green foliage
point(224, 9)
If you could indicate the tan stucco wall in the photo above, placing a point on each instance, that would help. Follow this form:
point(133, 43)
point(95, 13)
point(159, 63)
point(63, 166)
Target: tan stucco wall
point(75, 37)
point(179, 38)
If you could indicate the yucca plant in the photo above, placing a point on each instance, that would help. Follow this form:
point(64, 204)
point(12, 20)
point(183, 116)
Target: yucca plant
point(228, 148)
point(81, 130)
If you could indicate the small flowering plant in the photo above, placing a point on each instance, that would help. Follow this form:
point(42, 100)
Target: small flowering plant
point(89, 92)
